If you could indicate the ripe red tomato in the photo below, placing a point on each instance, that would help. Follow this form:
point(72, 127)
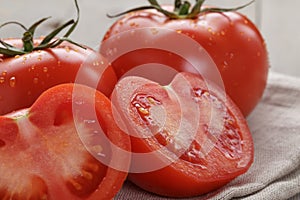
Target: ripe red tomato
point(191, 137)
point(24, 77)
point(231, 39)
point(46, 150)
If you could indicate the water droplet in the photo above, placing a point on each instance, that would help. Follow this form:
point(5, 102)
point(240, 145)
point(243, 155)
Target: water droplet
point(45, 69)
point(2, 79)
point(39, 58)
point(225, 65)
point(58, 63)
point(223, 33)
point(4, 73)
point(12, 81)
point(95, 63)
point(246, 21)
point(179, 31)
point(258, 54)
point(17, 56)
point(35, 80)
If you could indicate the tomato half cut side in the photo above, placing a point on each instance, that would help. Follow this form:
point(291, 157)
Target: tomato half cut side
point(47, 151)
point(197, 133)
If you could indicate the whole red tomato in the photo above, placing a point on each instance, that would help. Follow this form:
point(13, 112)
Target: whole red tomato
point(29, 66)
point(188, 137)
point(230, 38)
point(48, 151)
point(24, 77)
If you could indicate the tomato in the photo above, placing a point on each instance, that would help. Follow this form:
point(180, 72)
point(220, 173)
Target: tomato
point(230, 38)
point(190, 136)
point(46, 151)
point(24, 77)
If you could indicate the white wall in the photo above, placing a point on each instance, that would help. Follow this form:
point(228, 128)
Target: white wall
point(277, 20)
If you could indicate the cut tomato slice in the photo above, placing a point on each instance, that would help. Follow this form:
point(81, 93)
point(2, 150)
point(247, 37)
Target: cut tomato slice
point(49, 151)
point(197, 137)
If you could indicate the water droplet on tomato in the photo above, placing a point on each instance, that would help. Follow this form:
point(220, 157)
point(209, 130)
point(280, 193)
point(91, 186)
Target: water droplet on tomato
point(17, 56)
point(223, 33)
point(12, 81)
point(4, 73)
point(230, 55)
point(35, 80)
point(246, 21)
point(258, 54)
point(45, 69)
point(96, 63)
point(2, 79)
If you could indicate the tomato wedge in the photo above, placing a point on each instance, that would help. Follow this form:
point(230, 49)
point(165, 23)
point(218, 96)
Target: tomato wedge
point(193, 138)
point(48, 151)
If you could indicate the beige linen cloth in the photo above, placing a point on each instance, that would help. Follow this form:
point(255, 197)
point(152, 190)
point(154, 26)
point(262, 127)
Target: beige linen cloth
point(275, 173)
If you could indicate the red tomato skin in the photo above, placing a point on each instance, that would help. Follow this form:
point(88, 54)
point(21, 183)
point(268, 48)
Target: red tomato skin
point(23, 78)
point(41, 115)
point(230, 38)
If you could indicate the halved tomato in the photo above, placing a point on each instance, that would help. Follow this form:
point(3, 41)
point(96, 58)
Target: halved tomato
point(58, 149)
point(188, 138)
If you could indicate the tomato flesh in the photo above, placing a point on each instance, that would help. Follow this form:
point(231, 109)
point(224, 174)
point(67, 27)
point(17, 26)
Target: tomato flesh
point(189, 123)
point(45, 152)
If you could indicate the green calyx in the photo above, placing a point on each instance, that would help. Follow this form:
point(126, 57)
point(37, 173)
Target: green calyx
point(50, 41)
point(182, 9)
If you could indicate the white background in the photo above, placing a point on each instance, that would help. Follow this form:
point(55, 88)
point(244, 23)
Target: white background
point(278, 21)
